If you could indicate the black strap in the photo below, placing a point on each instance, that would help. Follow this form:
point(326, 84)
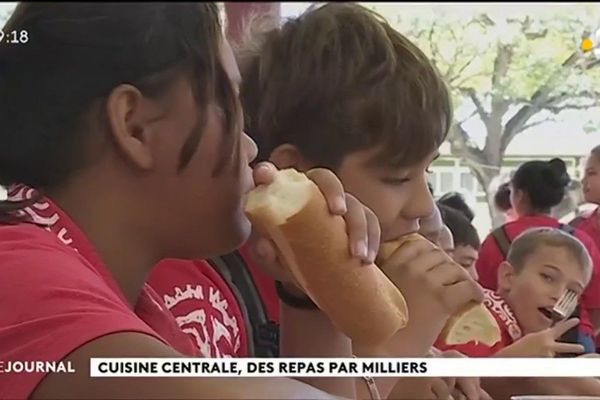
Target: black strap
point(263, 334)
point(502, 240)
point(567, 228)
point(304, 302)
point(571, 336)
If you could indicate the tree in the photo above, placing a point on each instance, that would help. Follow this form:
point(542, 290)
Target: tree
point(508, 71)
point(5, 12)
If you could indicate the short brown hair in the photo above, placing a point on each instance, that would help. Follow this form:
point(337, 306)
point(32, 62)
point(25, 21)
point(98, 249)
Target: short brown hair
point(529, 241)
point(339, 79)
point(596, 152)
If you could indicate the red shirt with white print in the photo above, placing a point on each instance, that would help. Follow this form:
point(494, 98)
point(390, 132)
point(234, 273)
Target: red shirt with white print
point(56, 295)
point(490, 258)
point(507, 323)
point(205, 306)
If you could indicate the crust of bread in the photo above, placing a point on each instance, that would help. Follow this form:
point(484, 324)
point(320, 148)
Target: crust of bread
point(360, 300)
point(473, 323)
point(388, 248)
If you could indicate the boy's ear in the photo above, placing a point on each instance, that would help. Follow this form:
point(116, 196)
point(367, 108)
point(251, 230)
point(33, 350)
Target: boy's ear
point(289, 156)
point(506, 275)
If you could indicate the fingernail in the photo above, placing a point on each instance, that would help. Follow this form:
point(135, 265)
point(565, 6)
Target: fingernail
point(371, 256)
point(262, 166)
point(339, 205)
point(360, 249)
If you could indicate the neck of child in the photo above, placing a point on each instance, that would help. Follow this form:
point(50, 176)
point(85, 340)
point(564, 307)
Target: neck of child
point(107, 220)
point(531, 212)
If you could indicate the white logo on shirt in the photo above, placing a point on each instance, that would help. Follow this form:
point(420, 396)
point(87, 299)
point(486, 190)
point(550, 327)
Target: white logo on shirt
point(195, 322)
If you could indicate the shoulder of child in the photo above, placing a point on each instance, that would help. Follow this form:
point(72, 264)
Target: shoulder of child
point(51, 288)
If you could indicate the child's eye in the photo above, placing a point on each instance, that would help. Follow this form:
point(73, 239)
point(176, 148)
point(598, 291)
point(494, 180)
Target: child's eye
point(396, 181)
point(547, 277)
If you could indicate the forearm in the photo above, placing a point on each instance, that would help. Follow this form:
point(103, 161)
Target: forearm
point(416, 339)
point(310, 333)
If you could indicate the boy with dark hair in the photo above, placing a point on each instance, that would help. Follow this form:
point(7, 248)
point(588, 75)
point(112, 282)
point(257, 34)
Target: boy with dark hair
point(457, 201)
point(338, 88)
point(466, 239)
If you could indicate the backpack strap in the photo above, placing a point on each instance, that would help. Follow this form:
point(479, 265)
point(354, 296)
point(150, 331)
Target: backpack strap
point(576, 221)
point(502, 240)
point(263, 334)
point(568, 228)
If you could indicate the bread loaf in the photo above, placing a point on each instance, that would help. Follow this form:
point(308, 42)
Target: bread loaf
point(359, 299)
point(474, 323)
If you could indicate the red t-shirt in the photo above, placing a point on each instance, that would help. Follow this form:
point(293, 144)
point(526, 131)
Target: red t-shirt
point(57, 295)
point(509, 329)
point(205, 306)
point(590, 225)
point(490, 258)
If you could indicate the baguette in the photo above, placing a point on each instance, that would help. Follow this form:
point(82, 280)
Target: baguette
point(474, 323)
point(313, 243)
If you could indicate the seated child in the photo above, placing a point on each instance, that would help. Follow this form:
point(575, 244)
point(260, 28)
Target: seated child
point(465, 238)
point(541, 265)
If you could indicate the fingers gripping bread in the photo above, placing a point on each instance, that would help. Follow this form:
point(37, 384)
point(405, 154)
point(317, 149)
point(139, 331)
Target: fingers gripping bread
point(474, 323)
point(360, 300)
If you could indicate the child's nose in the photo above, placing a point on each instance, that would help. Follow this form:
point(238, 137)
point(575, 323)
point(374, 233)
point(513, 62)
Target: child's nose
point(557, 294)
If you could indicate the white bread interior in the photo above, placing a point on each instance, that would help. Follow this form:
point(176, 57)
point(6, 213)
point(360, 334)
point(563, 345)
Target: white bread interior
point(286, 196)
point(474, 324)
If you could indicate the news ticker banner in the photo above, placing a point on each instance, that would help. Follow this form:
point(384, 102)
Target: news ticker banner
point(344, 367)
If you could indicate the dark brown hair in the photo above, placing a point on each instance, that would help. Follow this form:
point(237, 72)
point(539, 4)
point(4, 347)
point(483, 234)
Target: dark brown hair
point(457, 201)
point(339, 79)
point(463, 232)
point(596, 152)
point(77, 53)
point(502, 197)
point(545, 182)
